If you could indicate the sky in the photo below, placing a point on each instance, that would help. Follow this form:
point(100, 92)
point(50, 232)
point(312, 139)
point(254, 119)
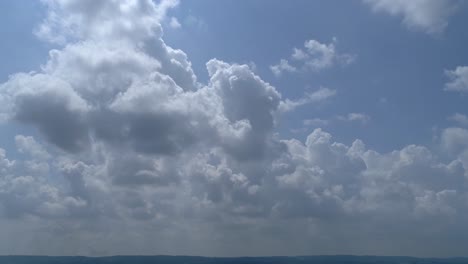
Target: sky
point(234, 128)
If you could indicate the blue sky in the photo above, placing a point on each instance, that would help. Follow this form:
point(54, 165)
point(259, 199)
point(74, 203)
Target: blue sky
point(397, 77)
point(403, 66)
point(258, 127)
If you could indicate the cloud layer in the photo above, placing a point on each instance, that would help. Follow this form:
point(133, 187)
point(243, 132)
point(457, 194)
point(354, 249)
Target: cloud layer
point(135, 156)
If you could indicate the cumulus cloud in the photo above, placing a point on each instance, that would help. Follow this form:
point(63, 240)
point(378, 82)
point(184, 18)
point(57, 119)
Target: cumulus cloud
point(133, 154)
point(458, 79)
point(430, 16)
point(314, 57)
point(71, 20)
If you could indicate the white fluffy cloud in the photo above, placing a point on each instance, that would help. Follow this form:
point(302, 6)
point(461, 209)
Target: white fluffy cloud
point(71, 20)
point(314, 57)
point(458, 79)
point(430, 16)
point(133, 154)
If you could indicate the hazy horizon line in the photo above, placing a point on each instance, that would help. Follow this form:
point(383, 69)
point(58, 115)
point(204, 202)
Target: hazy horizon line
point(233, 257)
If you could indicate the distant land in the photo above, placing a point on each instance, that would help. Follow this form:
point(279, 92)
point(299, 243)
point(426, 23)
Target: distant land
point(341, 259)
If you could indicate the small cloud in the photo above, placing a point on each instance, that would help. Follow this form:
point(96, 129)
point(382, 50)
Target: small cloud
point(314, 57)
point(358, 117)
point(320, 95)
point(195, 22)
point(351, 117)
point(316, 122)
point(461, 119)
point(282, 66)
point(430, 16)
point(174, 23)
point(458, 79)
point(299, 54)
point(299, 130)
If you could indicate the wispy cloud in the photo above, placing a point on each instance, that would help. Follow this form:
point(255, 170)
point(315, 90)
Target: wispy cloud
point(350, 117)
point(174, 23)
point(320, 95)
point(315, 56)
point(430, 16)
point(461, 119)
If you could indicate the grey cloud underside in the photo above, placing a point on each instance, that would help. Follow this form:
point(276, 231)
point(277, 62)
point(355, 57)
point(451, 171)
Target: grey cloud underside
point(321, 186)
point(135, 154)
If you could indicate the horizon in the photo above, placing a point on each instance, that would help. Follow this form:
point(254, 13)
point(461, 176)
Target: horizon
point(236, 257)
point(331, 259)
point(234, 128)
